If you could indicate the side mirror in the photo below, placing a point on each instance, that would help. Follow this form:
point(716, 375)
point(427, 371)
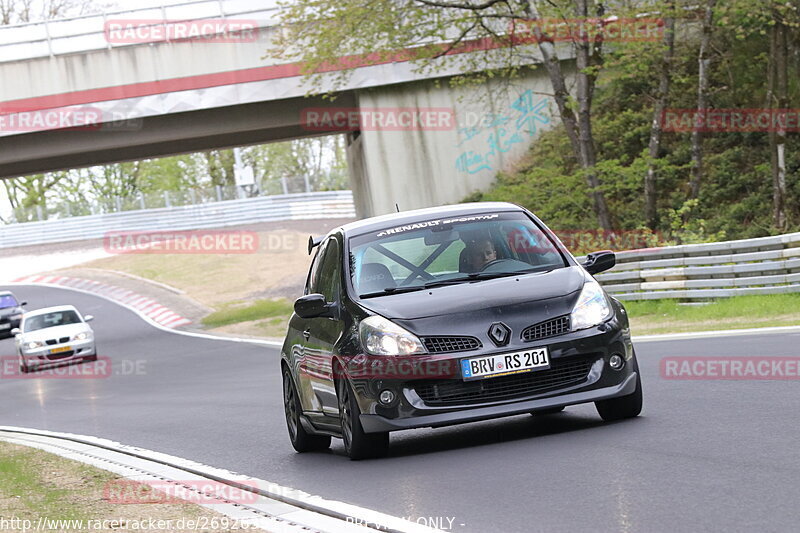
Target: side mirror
point(23, 303)
point(88, 318)
point(312, 306)
point(16, 331)
point(597, 262)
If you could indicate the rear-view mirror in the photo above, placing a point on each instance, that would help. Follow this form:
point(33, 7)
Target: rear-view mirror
point(312, 306)
point(597, 262)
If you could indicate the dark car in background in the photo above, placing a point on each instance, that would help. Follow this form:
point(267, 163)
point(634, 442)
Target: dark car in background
point(10, 313)
point(447, 315)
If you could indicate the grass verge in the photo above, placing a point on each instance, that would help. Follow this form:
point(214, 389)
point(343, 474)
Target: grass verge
point(69, 496)
point(669, 316)
point(235, 312)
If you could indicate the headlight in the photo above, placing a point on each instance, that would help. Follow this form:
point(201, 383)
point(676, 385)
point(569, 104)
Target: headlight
point(33, 345)
point(592, 307)
point(82, 336)
point(383, 337)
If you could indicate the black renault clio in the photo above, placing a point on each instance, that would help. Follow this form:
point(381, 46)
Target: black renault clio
point(447, 315)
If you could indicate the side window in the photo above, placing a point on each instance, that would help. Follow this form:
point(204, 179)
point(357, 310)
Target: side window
point(328, 279)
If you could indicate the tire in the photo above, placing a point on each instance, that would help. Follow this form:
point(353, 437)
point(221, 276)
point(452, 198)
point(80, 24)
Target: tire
point(548, 411)
point(623, 407)
point(23, 368)
point(301, 440)
point(358, 444)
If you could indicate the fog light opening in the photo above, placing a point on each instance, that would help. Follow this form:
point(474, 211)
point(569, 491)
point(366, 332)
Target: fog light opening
point(616, 362)
point(386, 397)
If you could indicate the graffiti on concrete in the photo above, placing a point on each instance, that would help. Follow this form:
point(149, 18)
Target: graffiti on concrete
point(502, 131)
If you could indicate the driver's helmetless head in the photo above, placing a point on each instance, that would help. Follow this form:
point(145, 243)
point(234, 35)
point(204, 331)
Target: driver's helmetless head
point(482, 252)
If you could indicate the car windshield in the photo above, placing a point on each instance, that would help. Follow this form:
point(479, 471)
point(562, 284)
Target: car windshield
point(49, 320)
point(7, 300)
point(449, 251)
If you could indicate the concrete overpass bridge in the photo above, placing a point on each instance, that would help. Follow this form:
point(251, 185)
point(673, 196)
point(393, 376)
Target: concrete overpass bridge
point(150, 95)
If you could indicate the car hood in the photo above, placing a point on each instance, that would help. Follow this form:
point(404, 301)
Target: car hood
point(5, 311)
point(519, 301)
point(55, 332)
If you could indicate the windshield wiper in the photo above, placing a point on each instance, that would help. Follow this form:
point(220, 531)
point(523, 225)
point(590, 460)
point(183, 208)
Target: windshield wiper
point(392, 290)
point(475, 276)
point(480, 276)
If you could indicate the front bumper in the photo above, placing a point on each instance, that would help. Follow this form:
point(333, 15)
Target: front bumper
point(579, 373)
point(377, 423)
point(43, 356)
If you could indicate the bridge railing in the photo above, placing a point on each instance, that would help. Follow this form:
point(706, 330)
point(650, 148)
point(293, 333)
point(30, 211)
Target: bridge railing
point(87, 32)
point(766, 265)
point(301, 206)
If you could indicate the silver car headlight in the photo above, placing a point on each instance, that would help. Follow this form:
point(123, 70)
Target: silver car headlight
point(32, 345)
point(82, 336)
point(380, 336)
point(592, 307)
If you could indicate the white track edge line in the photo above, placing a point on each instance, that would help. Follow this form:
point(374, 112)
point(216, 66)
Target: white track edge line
point(296, 497)
point(635, 338)
point(262, 342)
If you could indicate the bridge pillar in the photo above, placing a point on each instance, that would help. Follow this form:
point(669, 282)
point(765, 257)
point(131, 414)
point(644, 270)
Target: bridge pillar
point(441, 161)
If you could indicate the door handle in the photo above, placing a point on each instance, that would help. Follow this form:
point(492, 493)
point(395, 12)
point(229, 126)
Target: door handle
point(306, 334)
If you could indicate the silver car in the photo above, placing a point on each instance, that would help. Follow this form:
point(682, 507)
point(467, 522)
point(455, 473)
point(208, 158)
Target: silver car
point(54, 335)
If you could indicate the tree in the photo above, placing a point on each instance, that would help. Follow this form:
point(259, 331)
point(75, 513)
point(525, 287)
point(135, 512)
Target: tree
point(332, 38)
point(656, 128)
point(704, 63)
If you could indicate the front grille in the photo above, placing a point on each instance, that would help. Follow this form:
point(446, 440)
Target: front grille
point(450, 344)
point(549, 328)
point(452, 392)
point(62, 340)
point(61, 355)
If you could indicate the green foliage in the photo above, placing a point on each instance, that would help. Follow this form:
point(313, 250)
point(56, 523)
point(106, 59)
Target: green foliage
point(257, 310)
point(736, 192)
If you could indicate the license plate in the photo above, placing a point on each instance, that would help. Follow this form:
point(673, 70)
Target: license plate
point(5, 326)
point(61, 349)
point(504, 364)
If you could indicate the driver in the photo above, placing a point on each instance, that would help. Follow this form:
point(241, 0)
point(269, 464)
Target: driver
point(480, 253)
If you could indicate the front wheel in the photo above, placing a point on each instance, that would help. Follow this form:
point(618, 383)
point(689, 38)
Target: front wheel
point(358, 444)
point(623, 407)
point(302, 441)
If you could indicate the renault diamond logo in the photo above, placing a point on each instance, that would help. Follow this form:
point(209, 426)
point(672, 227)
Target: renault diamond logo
point(499, 333)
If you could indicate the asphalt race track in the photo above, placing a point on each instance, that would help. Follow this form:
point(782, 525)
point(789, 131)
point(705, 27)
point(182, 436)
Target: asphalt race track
point(704, 455)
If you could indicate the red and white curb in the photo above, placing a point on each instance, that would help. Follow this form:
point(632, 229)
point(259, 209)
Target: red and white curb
point(141, 304)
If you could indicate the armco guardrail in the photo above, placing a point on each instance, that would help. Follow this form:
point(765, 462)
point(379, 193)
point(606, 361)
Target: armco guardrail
point(303, 206)
point(766, 265)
